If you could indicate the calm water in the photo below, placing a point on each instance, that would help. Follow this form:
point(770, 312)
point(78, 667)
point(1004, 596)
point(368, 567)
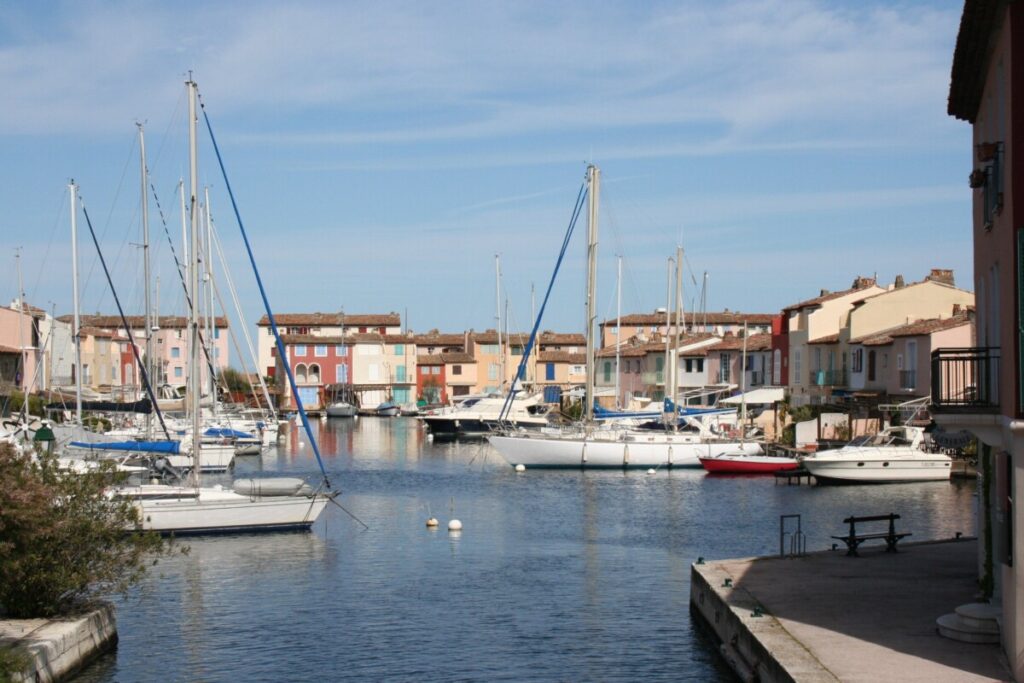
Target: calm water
point(566, 576)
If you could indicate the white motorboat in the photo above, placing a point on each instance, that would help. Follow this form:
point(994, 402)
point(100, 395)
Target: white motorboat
point(895, 454)
point(477, 416)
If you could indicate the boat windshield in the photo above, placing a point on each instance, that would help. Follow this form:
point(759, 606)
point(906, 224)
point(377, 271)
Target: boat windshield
point(866, 440)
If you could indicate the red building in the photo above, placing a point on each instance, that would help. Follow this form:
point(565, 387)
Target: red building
point(431, 379)
point(316, 363)
point(780, 351)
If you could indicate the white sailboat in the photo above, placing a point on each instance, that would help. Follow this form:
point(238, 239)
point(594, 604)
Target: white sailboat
point(252, 505)
point(595, 447)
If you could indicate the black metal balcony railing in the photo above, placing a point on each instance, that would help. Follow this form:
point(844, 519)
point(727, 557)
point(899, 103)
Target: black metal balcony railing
point(965, 380)
point(908, 379)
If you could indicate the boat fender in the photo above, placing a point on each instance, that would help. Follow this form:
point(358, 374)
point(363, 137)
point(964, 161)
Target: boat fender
point(270, 486)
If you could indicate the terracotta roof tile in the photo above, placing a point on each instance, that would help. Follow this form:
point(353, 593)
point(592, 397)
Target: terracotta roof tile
point(137, 322)
point(335, 319)
point(712, 317)
point(562, 357)
point(914, 329)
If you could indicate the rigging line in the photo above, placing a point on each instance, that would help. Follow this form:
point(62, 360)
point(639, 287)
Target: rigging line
point(127, 328)
point(49, 243)
point(580, 198)
point(110, 215)
point(163, 222)
point(266, 302)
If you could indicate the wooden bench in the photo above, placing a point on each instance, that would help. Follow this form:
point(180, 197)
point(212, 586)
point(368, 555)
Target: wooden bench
point(853, 539)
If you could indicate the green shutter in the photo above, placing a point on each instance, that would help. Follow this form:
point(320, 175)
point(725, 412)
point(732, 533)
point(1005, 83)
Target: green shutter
point(1020, 321)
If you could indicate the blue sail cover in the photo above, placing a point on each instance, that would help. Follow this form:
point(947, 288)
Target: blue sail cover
point(162, 447)
point(226, 433)
point(605, 413)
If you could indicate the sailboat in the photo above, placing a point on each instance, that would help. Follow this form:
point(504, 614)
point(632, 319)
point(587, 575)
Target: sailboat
point(592, 446)
point(250, 505)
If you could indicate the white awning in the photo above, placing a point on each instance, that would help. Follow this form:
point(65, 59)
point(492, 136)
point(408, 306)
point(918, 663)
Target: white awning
point(764, 395)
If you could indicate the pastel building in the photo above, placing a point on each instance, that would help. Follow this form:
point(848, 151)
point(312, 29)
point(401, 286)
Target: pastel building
point(319, 364)
point(661, 323)
point(981, 387)
point(20, 354)
point(318, 325)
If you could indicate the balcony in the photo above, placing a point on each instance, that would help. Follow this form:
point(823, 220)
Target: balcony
point(965, 380)
point(828, 378)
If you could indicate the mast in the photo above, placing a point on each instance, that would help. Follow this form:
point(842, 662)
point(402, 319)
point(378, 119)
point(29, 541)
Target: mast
point(677, 332)
point(210, 320)
point(594, 182)
point(76, 326)
point(194, 380)
point(533, 316)
point(497, 308)
point(618, 331)
point(743, 384)
point(145, 270)
point(156, 319)
point(21, 339)
point(667, 374)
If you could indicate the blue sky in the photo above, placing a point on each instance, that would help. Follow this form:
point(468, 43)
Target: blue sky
point(383, 153)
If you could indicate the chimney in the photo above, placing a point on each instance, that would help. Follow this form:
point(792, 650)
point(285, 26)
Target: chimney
point(957, 310)
point(943, 275)
point(899, 283)
point(824, 292)
point(863, 282)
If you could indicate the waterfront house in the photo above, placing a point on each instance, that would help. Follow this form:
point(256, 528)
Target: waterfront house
point(697, 322)
point(19, 337)
point(170, 346)
point(443, 376)
point(434, 342)
point(817, 319)
point(317, 363)
point(726, 364)
point(383, 368)
point(319, 325)
point(981, 388)
point(894, 365)
point(642, 368)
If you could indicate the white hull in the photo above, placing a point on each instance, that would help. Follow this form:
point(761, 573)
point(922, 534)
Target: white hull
point(613, 451)
point(341, 410)
point(214, 459)
point(893, 455)
point(219, 511)
point(922, 468)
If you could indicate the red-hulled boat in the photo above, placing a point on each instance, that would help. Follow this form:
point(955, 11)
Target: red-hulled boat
point(748, 464)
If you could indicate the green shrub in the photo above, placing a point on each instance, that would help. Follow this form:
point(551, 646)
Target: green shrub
point(63, 541)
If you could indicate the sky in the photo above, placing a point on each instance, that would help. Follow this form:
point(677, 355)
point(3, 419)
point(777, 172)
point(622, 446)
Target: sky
point(382, 154)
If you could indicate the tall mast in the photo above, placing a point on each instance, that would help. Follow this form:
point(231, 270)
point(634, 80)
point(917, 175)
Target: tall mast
point(145, 269)
point(677, 333)
point(194, 379)
point(743, 384)
point(668, 339)
point(210, 321)
point(497, 308)
point(594, 182)
point(21, 339)
point(156, 318)
point(618, 330)
point(76, 327)
point(533, 316)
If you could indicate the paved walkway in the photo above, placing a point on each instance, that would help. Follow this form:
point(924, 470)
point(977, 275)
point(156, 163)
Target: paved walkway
point(872, 618)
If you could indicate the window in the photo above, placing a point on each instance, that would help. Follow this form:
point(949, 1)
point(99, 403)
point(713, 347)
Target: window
point(314, 374)
point(436, 370)
point(492, 371)
point(400, 373)
point(607, 371)
point(549, 372)
point(178, 371)
point(300, 374)
point(871, 365)
point(456, 369)
point(899, 361)
point(491, 349)
point(340, 350)
point(579, 370)
point(175, 352)
point(341, 374)
point(216, 333)
point(399, 349)
point(517, 350)
point(724, 369)
point(320, 350)
point(857, 360)
point(797, 367)
point(299, 350)
point(689, 365)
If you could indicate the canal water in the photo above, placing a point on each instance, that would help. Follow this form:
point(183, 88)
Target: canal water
point(557, 576)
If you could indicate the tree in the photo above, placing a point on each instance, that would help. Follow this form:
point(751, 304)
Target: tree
point(63, 540)
point(236, 381)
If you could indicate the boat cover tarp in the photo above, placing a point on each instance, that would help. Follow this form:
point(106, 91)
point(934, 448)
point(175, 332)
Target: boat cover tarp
point(143, 406)
point(760, 396)
point(163, 447)
point(605, 413)
point(226, 433)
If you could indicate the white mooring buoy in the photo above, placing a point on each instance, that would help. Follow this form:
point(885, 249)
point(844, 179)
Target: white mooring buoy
point(302, 444)
point(432, 523)
point(520, 467)
point(455, 525)
point(650, 471)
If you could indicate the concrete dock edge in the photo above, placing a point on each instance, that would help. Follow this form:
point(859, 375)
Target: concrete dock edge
point(752, 642)
point(60, 647)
